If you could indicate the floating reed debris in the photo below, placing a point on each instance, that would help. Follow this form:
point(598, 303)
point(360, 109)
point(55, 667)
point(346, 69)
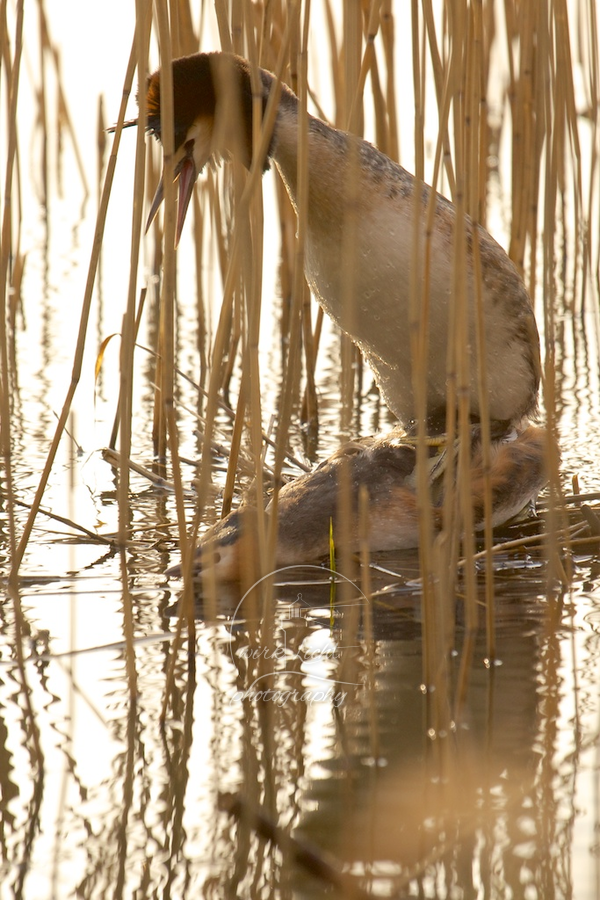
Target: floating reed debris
point(93, 536)
point(302, 853)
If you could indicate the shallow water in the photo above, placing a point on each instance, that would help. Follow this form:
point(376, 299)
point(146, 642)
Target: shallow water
point(507, 799)
point(311, 726)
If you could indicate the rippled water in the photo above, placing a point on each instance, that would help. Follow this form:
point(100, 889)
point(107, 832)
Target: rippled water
point(310, 727)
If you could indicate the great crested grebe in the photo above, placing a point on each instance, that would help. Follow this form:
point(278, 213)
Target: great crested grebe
point(361, 276)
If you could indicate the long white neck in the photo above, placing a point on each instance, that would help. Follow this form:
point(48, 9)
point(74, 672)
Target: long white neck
point(361, 257)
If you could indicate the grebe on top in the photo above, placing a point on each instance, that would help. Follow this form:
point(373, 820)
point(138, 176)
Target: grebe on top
point(371, 264)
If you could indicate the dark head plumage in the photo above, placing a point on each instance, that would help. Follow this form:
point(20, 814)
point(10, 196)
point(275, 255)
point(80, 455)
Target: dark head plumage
point(212, 114)
point(193, 95)
point(215, 87)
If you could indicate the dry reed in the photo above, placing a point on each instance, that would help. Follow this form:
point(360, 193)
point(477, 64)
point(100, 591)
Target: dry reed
point(7, 375)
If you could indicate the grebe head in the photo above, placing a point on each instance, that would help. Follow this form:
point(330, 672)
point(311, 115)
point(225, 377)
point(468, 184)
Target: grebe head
point(212, 102)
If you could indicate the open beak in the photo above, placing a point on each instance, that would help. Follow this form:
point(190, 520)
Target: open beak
point(186, 172)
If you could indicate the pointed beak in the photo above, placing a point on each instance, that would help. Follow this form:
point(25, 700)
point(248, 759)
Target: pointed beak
point(187, 179)
point(158, 199)
point(186, 172)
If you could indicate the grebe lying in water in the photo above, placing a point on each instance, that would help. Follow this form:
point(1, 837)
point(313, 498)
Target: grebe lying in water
point(350, 180)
